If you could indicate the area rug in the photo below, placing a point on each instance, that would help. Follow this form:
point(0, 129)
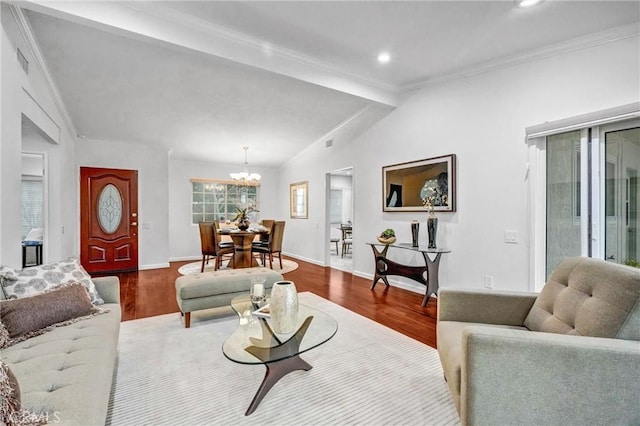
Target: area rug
point(193, 268)
point(366, 375)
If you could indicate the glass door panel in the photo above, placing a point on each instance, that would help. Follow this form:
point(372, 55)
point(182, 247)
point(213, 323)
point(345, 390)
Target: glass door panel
point(564, 209)
point(622, 165)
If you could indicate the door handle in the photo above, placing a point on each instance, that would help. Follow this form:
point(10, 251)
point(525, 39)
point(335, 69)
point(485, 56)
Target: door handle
point(134, 223)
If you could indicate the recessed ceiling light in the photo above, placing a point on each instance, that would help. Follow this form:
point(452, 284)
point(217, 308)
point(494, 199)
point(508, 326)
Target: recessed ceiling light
point(384, 57)
point(528, 3)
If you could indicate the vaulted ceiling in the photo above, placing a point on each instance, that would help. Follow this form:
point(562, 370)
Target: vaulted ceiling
point(201, 79)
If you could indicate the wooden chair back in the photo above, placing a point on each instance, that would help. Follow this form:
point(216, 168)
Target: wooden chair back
point(217, 237)
point(267, 223)
point(207, 239)
point(275, 244)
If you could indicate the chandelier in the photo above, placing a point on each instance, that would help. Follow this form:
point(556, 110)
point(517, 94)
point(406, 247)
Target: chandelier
point(245, 176)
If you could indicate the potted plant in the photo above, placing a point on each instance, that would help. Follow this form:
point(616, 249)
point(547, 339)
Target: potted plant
point(242, 217)
point(388, 236)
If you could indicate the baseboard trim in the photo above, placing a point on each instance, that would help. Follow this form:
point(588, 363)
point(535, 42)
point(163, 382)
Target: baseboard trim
point(185, 258)
point(153, 266)
point(305, 259)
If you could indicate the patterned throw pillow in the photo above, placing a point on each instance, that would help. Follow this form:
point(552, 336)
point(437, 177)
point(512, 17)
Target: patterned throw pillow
point(35, 280)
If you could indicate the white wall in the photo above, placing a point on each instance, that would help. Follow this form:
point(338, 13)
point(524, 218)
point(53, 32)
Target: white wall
point(153, 216)
point(22, 93)
point(184, 237)
point(482, 120)
point(305, 238)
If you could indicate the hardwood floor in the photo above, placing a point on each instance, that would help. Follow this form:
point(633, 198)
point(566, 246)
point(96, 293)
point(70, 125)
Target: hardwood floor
point(152, 292)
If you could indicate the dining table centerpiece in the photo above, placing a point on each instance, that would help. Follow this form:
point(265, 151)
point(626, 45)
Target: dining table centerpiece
point(242, 217)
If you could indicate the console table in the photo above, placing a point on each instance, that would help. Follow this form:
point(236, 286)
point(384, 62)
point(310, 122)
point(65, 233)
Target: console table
point(385, 267)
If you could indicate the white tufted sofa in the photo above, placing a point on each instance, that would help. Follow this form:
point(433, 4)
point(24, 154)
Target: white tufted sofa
point(65, 375)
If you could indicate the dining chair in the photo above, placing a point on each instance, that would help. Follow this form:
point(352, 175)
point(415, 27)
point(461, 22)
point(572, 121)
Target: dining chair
point(211, 247)
point(347, 239)
point(334, 240)
point(274, 245)
point(263, 241)
point(218, 235)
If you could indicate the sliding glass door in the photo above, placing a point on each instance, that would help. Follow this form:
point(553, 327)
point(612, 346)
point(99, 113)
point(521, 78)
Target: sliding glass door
point(563, 193)
point(592, 194)
point(622, 163)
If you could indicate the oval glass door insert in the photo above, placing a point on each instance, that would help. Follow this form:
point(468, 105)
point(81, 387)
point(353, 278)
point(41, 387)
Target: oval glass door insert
point(109, 209)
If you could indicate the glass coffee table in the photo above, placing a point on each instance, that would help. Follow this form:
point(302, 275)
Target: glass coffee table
point(255, 342)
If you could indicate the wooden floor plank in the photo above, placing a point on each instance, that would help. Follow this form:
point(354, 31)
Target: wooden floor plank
point(152, 292)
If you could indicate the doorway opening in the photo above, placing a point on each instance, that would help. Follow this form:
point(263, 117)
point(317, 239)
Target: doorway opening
point(339, 219)
point(34, 194)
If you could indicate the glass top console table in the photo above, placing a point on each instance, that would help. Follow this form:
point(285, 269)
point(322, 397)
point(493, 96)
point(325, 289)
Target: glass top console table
point(385, 267)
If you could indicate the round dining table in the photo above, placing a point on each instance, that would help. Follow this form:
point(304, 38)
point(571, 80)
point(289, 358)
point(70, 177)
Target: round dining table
point(242, 244)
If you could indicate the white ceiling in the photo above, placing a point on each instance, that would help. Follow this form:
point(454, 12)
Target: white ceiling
point(203, 79)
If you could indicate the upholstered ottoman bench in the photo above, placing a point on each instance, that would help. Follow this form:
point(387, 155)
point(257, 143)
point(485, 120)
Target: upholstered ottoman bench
point(195, 292)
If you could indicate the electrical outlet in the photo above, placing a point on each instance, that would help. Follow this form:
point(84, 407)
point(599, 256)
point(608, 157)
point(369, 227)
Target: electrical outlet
point(511, 237)
point(488, 281)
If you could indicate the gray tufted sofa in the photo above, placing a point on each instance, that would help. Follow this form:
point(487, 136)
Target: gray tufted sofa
point(568, 356)
point(65, 374)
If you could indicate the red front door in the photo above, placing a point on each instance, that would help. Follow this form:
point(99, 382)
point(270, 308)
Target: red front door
point(108, 220)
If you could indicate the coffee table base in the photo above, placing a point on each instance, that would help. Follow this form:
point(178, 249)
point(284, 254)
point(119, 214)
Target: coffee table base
point(271, 345)
point(276, 371)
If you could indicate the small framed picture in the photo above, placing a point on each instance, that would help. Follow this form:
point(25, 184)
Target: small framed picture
point(299, 200)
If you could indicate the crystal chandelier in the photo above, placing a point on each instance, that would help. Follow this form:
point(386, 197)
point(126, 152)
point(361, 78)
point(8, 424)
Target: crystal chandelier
point(245, 176)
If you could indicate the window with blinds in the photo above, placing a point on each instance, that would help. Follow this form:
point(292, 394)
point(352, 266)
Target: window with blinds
point(32, 193)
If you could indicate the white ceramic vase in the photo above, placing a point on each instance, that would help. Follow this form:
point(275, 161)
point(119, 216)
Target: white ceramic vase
point(284, 307)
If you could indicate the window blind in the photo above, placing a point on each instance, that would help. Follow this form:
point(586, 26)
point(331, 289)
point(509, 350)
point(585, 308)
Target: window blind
point(32, 194)
point(591, 119)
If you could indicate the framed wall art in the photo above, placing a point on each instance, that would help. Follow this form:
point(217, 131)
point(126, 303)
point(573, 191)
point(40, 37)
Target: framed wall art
point(420, 185)
point(299, 200)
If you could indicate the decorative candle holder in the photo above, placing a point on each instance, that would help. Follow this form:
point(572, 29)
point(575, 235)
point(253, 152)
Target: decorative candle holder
point(257, 291)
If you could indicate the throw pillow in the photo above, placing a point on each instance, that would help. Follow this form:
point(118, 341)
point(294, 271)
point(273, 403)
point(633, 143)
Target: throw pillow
point(6, 274)
point(9, 393)
point(37, 279)
point(11, 411)
point(30, 316)
point(4, 336)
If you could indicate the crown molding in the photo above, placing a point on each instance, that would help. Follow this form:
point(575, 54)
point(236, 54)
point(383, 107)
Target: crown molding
point(573, 45)
point(27, 34)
